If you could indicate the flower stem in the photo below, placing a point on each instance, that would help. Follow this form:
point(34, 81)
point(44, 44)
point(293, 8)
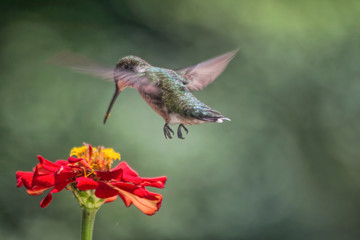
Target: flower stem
point(87, 223)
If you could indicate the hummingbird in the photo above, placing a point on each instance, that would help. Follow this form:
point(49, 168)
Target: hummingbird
point(168, 92)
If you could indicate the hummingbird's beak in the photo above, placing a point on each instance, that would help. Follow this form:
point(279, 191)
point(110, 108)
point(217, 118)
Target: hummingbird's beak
point(116, 94)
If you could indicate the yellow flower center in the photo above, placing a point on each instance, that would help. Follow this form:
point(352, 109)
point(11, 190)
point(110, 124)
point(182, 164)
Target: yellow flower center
point(99, 158)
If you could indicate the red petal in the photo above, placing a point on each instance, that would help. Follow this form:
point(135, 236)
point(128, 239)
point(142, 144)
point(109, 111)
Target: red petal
point(24, 178)
point(41, 179)
point(129, 175)
point(62, 162)
point(60, 187)
point(74, 159)
point(126, 169)
point(41, 170)
point(105, 191)
point(158, 182)
point(46, 164)
point(112, 175)
point(65, 176)
point(36, 190)
point(110, 199)
point(146, 201)
point(84, 183)
point(126, 200)
point(152, 182)
point(46, 200)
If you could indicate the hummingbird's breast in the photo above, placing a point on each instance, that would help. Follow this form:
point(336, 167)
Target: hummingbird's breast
point(155, 101)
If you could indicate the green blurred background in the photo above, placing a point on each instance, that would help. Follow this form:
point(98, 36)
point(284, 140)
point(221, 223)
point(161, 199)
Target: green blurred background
point(286, 166)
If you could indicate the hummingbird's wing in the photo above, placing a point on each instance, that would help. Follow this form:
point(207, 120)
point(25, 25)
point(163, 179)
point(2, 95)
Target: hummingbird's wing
point(202, 74)
point(83, 65)
point(123, 78)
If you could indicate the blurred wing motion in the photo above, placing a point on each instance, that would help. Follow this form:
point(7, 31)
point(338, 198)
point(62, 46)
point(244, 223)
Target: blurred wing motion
point(123, 78)
point(83, 65)
point(202, 74)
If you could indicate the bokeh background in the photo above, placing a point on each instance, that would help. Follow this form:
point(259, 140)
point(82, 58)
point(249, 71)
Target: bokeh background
point(286, 166)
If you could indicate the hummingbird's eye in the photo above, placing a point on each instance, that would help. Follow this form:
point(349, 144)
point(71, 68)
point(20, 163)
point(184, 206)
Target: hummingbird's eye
point(128, 67)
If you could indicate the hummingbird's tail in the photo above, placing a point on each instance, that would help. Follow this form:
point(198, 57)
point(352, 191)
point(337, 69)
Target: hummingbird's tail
point(116, 94)
point(209, 115)
point(218, 119)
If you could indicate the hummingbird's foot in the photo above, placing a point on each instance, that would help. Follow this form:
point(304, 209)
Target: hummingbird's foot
point(168, 131)
point(179, 133)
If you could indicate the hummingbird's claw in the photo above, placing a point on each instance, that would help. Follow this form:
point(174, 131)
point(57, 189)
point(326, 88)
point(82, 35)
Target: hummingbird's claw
point(168, 131)
point(179, 133)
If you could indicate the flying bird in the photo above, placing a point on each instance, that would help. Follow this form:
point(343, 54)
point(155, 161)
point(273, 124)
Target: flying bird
point(168, 92)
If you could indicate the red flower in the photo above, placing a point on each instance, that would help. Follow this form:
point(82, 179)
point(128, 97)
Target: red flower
point(90, 171)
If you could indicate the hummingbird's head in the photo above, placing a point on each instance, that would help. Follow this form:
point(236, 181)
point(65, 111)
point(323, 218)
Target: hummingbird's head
point(132, 63)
